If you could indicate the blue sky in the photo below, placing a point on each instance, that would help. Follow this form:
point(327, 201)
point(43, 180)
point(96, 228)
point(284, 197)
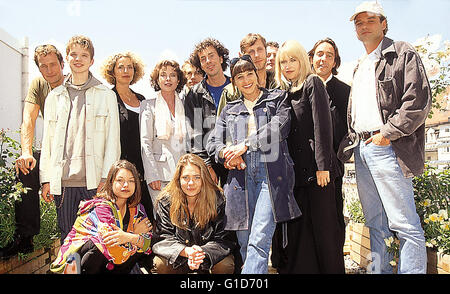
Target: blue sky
point(170, 28)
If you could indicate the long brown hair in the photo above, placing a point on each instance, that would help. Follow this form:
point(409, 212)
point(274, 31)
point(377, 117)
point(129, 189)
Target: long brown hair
point(107, 190)
point(206, 207)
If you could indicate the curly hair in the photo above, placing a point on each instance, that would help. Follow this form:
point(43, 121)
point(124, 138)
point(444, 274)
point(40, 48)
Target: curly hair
point(107, 70)
point(155, 74)
point(44, 50)
point(210, 42)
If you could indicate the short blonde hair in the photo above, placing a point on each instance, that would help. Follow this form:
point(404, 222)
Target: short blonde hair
point(83, 41)
point(293, 49)
point(107, 69)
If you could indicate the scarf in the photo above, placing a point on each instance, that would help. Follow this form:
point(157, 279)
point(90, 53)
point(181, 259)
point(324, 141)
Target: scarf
point(165, 127)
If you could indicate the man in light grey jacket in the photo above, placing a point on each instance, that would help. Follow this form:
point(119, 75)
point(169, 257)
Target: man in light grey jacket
point(81, 136)
point(389, 102)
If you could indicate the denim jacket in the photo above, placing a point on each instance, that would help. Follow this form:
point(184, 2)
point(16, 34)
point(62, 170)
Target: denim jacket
point(404, 101)
point(273, 125)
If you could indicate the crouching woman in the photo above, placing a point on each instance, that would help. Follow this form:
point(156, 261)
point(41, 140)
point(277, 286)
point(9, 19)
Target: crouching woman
point(111, 232)
point(189, 231)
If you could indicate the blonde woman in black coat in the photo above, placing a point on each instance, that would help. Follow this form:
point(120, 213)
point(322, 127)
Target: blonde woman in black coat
point(313, 245)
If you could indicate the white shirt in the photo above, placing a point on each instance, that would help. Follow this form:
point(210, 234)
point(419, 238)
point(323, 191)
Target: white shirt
point(251, 122)
point(365, 112)
point(132, 108)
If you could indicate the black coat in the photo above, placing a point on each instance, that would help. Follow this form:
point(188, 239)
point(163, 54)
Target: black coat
point(338, 92)
point(130, 140)
point(311, 138)
point(169, 240)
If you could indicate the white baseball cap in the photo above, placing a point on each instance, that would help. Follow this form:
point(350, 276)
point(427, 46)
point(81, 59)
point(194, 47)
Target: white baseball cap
point(368, 6)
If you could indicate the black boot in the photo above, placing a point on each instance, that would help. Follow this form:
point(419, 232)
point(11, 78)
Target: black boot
point(19, 244)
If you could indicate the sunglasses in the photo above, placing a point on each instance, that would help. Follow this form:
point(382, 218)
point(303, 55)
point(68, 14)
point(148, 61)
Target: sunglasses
point(245, 57)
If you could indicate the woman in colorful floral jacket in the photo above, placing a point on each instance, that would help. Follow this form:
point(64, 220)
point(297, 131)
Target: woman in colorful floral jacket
point(112, 231)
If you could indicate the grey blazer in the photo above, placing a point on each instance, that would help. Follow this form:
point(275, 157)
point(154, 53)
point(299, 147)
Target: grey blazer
point(159, 157)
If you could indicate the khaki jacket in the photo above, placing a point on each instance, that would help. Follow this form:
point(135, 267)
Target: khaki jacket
point(102, 143)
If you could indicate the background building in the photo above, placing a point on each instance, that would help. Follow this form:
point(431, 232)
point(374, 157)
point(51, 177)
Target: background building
point(13, 81)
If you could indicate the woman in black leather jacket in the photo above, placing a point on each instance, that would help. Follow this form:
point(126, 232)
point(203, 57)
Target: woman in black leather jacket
point(190, 220)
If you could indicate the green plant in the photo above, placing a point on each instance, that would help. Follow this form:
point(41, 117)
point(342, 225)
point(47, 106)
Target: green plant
point(393, 247)
point(10, 188)
point(355, 211)
point(436, 60)
point(432, 197)
point(10, 192)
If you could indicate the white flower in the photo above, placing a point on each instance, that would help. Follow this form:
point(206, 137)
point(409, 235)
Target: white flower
point(434, 217)
point(443, 213)
point(389, 241)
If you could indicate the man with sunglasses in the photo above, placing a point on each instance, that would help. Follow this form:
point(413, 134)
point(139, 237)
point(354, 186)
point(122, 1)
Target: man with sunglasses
point(202, 101)
point(253, 45)
point(27, 212)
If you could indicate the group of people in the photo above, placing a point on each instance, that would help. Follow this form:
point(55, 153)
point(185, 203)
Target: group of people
point(216, 171)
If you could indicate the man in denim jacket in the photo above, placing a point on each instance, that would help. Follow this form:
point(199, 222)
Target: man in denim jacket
point(389, 102)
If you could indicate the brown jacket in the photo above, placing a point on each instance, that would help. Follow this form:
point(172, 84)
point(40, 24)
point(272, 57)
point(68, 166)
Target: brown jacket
point(404, 101)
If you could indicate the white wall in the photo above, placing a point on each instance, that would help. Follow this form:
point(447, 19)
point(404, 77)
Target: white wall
point(13, 81)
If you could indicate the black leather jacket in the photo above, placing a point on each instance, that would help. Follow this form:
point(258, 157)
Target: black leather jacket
point(169, 240)
point(200, 111)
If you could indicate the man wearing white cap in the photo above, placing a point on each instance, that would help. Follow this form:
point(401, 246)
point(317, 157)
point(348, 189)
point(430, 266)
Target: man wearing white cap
point(390, 100)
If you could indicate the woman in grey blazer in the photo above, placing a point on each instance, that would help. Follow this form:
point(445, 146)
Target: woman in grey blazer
point(162, 127)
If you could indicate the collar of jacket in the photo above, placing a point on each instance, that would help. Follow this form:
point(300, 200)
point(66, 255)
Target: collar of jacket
point(203, 89)
point(123, 112)
point(238, 107)
point(387, 47)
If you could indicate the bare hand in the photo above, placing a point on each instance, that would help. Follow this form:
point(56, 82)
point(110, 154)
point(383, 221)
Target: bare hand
point(231, 152)
point(142, 226)
point(323, 177)
point(46, 193)
point(25, 163)
point(155, 185)
point(237, 162)
point(116, 237)
point(379, 140)
point(195, 255)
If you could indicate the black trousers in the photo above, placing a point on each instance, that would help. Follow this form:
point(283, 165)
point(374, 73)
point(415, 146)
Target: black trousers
point(146, 201)
point(94, 262)
point(315, 238)
point(67, 207)
point(27, 211)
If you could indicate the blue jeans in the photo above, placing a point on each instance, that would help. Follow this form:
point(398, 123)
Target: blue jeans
point(387, 199)
point(255, 242)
